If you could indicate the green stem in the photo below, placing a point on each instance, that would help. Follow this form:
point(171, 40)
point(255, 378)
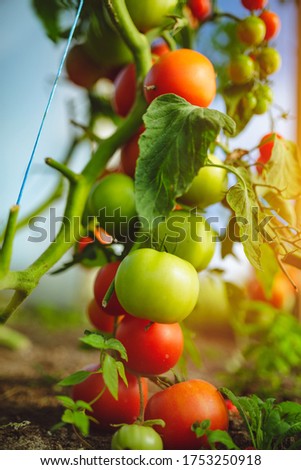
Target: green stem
point(141, 399)
point(7, 247)
point(63, 169)
point(15, 302)
point(135, 41)
point(108, 294)
point(169, 40)
point(25, 281)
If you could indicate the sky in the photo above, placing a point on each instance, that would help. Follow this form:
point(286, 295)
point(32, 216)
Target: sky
point(28, 64)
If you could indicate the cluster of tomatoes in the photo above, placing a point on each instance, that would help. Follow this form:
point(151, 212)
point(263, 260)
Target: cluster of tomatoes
point(159, 290)
point(259, 60)
point(142, 297)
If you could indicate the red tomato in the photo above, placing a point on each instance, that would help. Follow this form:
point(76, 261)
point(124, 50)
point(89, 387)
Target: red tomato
point(232, 408)
point(184, 72)
point(106, 409)
point(84, 241)
point(272, 23)
point(201, 9)
point(265, 149)
point(152, 348)
point(82, 70)
point(183, 404)
point(160, 48)
point(125, 90)
point(254, 4)
point(102, 282)
point(130, 154)
point(125, 83)
point(99, 318)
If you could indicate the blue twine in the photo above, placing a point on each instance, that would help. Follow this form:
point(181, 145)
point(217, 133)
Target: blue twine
point(50, 100)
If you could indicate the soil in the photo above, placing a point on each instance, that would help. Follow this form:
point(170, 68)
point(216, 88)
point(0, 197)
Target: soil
point(28, 389)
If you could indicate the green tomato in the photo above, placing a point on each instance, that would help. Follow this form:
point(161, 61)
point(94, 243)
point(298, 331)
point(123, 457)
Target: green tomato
point(188, 236)
point(112, 201)
point(269, 61)
point(249, 101)
point(241, 69)
point(148, 14)
point(266, 92)
point(262, 106)
point(105, 46)
point(251, 31)
point(156, 286)
point(208, 187)
point(136, 437)
point(212, 310)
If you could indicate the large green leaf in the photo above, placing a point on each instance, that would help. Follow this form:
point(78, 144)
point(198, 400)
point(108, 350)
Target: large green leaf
point(172, 150)
point(242, 200)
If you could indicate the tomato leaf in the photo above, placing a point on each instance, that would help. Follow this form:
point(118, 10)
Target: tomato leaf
point(233, 96)
point(81, 421)
point(121, 372)
point(110, 375)
point(282, 207)
point(94, 340)
point(284, 169)
point(172, 150)
point(68, 417)
point(83, 405)
point(67, 402)
point(221, 437)
point(214, 436)
point(75, 378)
point(116, 345)
point(242, 200)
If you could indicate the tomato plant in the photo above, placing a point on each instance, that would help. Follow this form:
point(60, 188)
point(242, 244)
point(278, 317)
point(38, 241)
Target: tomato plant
point(137, 209)
point(183, 404)
point(184, 72)
point(272, 23)
point(187, 236)
point(107, 410)
point(137, 437)
point(157, 286)
point(152, 348)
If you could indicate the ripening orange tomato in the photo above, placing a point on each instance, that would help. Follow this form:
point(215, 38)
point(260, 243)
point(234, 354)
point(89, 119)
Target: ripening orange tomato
point(184, 72)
